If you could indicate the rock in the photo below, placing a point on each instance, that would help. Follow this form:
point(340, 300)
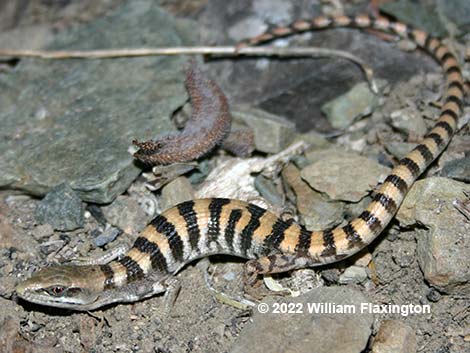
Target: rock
point(405, 254)
point(126, 213)
point(317, 213)
point(163, 174)
point(314, 139)
point(458, 169)
point(363, 258)
point(443, 249)
point(399, 149)
point(247, 28)
point(42, 231)
point(282, 333)
point(344, 110)
point(433, 295)
point(342, 175)
point(32, 37)
point(422, 16)
point(12, 341)
point(274, 11)
point(179, 190)
point(272, 133)
point(353, 274)
point(268, 190)
point(394, 336)
point(108, 235)
point(73, 121)
point(409, 121)
point(61, 208)
point(456, 11)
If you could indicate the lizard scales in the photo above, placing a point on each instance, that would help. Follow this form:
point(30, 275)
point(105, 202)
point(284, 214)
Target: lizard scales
point(203, 227)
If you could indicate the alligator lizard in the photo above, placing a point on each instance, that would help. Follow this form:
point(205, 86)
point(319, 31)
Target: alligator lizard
point(200, 228)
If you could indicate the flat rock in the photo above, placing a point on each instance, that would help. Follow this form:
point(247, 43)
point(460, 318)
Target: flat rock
point(399, 149)
point(458, 169)
point(456, 11)
point(442, 250)
point(409, 121)
point(300, 332)
point(353, 274)
point(126, 213)
point(316, 211)
point(61, 208)
point(394, 336)
point(344, 110)
point(175, 192)
point(73, 120)
point(273, 133)
point(342, 175)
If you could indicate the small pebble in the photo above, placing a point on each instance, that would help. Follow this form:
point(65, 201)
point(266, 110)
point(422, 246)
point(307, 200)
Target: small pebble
point(61, 208)
point(109, 235)
point(433, 295)
point(353, 274)
point(42, 231)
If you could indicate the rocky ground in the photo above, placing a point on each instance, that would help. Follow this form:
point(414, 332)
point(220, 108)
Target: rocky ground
point(70, 187)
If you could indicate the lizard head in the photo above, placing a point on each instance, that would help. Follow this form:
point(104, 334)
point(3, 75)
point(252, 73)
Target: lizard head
point(71, 287)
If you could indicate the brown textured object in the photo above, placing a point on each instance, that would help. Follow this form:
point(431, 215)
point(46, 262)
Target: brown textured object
point(207, 127)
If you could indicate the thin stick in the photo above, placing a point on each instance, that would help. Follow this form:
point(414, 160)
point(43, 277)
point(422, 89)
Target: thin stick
point(228, 51)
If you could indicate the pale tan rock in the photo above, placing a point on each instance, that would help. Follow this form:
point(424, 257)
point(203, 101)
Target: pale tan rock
point(394, 337)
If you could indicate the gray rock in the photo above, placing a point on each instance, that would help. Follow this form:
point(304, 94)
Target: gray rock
point(353, 274)
point(73, 121)
point(344, 110)
point(458, 169)
point(274, 11)
point(307, 332)
point(409, 121)
point(433, 295)
point(399, 149)
point(126, 213)
point(327, 174)
point(422, 16)
point(33, 37)
point(268, 190)
point(272, 133)
point(179, 190)
point(108, 235)
point(61, 208)
point(394, 336)
point(246, 28)
point(444, 248)
point(456, 11)
point(316, 211)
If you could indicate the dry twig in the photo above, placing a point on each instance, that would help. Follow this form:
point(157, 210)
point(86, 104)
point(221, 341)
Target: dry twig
point(229, 51)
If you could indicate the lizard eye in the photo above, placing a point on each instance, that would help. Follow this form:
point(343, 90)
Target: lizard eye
point(56, 291)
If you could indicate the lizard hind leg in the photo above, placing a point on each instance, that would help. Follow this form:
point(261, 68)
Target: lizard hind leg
point(276, 263)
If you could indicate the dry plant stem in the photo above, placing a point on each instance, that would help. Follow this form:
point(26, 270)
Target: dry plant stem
point(312, 52)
